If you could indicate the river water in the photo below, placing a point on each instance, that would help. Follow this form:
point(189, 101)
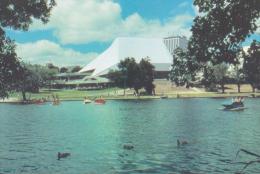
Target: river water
point(32, 135)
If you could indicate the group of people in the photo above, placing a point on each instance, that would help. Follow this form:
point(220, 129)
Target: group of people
point(56, 100)
point(238, 100)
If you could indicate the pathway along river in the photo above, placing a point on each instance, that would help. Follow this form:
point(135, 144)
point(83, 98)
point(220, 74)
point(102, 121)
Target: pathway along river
point(32, 135)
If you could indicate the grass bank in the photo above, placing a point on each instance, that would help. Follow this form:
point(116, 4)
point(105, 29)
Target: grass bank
point(118, 94)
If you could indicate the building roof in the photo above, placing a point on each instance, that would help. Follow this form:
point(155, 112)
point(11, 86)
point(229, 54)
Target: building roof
point(85, 80)
point(138, 48)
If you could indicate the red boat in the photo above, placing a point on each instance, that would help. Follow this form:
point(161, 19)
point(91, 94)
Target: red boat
point(100, 101)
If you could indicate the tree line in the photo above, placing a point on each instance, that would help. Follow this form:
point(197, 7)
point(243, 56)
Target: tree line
point(218, 34)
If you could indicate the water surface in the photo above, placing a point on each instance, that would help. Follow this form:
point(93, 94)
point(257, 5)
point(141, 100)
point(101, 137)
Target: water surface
point(32, 135)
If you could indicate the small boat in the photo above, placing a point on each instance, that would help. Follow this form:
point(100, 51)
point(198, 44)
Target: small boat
point(39, 102)
point(235, 106)
point(100, 101)
point(87, 101)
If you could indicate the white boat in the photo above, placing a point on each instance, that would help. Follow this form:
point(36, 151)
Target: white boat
point(87, 101)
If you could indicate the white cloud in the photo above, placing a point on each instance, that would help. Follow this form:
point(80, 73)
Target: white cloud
point(44, 51)
point(85, 21)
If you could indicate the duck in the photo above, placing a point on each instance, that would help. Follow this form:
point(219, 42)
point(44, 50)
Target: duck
point(62, 155)
point(128, 146)
point(180, 143)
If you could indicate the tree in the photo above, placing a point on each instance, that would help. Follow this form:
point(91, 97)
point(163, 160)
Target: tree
point(9, 65)
point(237, 72)
point(147, 75)
point(134, 75)
point(117, 77)
point(17, 15)
point(131, 72)
point(252, 65)
point(28, 81)
point(208, 78)
point(220, 73)
point(63, 70)
point(183, 69)
point(217, 34)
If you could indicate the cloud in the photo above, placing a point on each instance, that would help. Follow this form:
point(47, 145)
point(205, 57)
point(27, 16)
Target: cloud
point(86, 21)
point(44, 51)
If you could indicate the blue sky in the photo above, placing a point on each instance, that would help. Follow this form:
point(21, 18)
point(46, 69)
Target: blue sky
point(81, 29)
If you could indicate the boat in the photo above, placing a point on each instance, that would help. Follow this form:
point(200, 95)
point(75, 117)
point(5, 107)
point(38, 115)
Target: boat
point(87, 101)
point(100, 101)
point(235, 106)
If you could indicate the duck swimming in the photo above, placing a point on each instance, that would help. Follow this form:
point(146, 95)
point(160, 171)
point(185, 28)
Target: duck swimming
point(62, 155)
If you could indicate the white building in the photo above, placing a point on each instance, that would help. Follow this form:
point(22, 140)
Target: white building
point(174, 42)
point(138, 48)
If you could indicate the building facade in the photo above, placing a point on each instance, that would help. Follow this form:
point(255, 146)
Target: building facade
point(174, 42)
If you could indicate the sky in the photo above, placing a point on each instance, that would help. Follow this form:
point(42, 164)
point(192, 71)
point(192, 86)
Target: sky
point(79, 30)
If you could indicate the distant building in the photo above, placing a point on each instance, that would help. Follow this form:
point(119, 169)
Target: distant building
point(80, 81)
point(133, 47)
point(174, 42)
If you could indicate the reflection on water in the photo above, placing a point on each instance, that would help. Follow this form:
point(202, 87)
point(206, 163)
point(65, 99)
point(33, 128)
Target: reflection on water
point(31, 136)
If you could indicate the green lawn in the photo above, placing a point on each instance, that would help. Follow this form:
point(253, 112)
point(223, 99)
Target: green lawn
point(69, 94)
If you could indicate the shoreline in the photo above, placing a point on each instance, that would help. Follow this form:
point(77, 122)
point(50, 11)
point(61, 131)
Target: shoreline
point(183, 95)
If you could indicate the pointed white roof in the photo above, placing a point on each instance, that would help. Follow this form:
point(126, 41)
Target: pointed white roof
point(138, 48)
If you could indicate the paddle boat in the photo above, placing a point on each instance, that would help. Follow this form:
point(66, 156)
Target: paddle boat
point(100, 101)
point(236, 105)
point(87, 101)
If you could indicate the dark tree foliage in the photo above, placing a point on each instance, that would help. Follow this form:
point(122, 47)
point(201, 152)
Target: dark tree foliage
point(218, 33)
point(117, 77)
point(183, 69)
point(147, 75)
point(220, 74)
point(131, 73)
point(18, 15)
point(63, 70)
point(9, 65)
point(209, 80)
point(252, 65)
point(27, 81)
point(134, 75)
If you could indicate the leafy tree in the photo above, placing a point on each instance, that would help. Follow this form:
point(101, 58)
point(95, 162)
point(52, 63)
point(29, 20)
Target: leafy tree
point(9, 65)
point(147, 75)
point(63, 70)
point(217, 34)
point(252, 65)
point(237, 72)
point(28, 81)
point(131, 72)
point(17, 15)
point(134, 75)
point(220, 73)
point(183, 69)
point(208, 77)
point(117, 77)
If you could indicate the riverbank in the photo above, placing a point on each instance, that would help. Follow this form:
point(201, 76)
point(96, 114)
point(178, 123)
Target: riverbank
point(164, 89)
point(74, 95)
